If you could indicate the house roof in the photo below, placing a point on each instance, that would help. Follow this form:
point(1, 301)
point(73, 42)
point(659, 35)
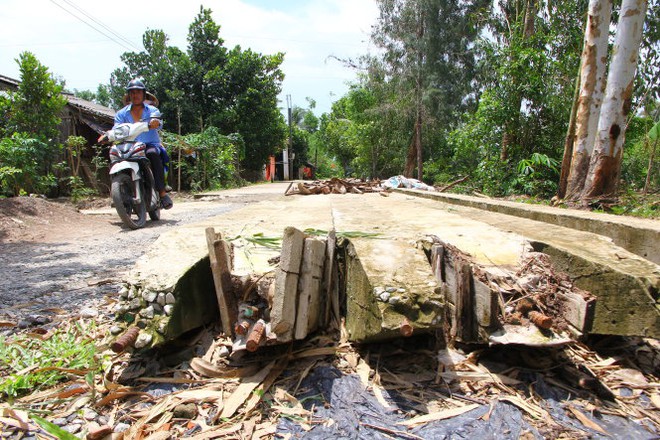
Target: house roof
point(89, 107)
point(85, 107)
point(11, 82)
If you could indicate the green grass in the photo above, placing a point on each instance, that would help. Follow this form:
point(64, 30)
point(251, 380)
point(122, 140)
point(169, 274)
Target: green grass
point(29, 362)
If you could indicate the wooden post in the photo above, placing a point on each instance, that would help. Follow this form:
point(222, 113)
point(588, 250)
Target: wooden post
point(329, 301)
point(309, 287)
point(466, 329)
point(283, 310)
point(219, 257)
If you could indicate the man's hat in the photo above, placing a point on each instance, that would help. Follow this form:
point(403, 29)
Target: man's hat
point(149, 98)
point(138, 84)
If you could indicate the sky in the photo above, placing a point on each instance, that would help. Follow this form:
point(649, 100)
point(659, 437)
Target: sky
point(84, 51)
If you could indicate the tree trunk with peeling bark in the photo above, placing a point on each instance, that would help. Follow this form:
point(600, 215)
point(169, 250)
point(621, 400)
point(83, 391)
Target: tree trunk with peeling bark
point(605, 165)
point(593, 67)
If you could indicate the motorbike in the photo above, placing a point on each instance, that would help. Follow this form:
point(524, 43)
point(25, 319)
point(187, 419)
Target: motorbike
point(133, 189)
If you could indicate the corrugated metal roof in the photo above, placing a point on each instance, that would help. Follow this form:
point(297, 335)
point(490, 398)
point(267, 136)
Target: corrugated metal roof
point(90, 107)
point(87, 107)
point(10, 81)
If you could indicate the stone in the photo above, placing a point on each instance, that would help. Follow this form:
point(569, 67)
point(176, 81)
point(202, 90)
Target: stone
point(143, 340)
point(185, 411)
point(121, 427)
point(72, 428)
point(161, 300)
point(123, 292)
point(89, 313)
point(97, 432)
point(135, 304)
point(169, 298)
point(89, 414)
point(149, 295)
point(147, 313)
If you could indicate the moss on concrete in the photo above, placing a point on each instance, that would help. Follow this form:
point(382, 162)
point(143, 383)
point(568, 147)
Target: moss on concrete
point(626, 305)
point(196, 303)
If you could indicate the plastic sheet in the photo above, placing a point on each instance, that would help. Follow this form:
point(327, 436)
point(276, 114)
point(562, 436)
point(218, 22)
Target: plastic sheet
point(405, 182)
point(356, 414)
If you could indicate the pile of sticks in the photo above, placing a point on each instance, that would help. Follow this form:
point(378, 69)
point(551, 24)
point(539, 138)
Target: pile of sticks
point(334, 186)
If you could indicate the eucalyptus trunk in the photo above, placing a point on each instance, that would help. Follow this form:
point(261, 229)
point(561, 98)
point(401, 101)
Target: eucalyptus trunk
point(605, 165)
point(593, 68)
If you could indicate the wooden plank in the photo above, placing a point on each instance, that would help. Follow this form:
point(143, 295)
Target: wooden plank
point(244, 391)
point(466, 329)
point(327, 298)
point(437, 257)
point(309, 287)
point(450, 278)
point(283, 310)
point(485, 304)
point(578, 311)
point(220, 259)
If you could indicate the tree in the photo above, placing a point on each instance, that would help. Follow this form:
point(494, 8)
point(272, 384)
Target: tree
point(29, 133)
point(428, 60)
point(604, 166)
point(592, 82)
point(36, 106)
point(253, 83)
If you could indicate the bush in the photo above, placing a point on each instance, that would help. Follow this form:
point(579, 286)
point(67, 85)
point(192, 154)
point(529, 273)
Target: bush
point(20, 167)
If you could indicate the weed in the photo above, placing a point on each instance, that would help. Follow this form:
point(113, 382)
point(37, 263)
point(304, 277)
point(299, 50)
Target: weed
point(32, 362)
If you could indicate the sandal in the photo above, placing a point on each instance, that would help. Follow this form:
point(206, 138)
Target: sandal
point(166, 202)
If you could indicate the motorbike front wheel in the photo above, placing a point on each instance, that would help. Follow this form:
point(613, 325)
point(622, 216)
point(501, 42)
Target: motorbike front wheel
point(134, 215)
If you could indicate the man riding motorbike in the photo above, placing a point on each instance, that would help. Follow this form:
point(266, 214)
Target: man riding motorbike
point(138, 110)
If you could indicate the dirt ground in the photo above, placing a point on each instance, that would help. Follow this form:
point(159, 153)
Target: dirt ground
point(35, 219)
point(58, 256)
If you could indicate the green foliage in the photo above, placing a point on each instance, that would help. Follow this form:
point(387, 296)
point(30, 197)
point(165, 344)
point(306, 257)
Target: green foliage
point(53, 429)
point(210, 159)
point(633, 203)
point(211, 86)
point(29, 363)
point(28, 130)
point(21, 157)
point(79, 191)
point(35, 107)
point(640, 154)
point(537, 175)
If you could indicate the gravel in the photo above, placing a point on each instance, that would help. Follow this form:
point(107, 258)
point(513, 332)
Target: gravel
point(40, 279)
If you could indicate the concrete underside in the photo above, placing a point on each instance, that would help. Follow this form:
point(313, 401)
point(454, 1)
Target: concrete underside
point(626, 285)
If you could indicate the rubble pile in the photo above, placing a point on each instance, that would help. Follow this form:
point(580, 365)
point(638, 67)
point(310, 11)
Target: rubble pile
point(287, 304)
point(335, 186)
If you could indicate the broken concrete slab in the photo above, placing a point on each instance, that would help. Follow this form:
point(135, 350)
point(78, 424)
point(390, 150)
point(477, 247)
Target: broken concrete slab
point(177, 264)
point(637, 235)
point(626, 285)
point(494, 243)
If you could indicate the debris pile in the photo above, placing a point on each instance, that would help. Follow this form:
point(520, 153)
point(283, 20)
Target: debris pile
point(286, 304)
point(335, 186)
point(534, 305)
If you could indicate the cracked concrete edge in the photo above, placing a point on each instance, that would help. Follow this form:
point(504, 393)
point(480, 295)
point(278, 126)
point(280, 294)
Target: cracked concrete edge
point(637, 235)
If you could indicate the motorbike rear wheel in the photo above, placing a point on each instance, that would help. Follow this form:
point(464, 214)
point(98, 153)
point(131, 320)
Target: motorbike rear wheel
point(134, 215)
